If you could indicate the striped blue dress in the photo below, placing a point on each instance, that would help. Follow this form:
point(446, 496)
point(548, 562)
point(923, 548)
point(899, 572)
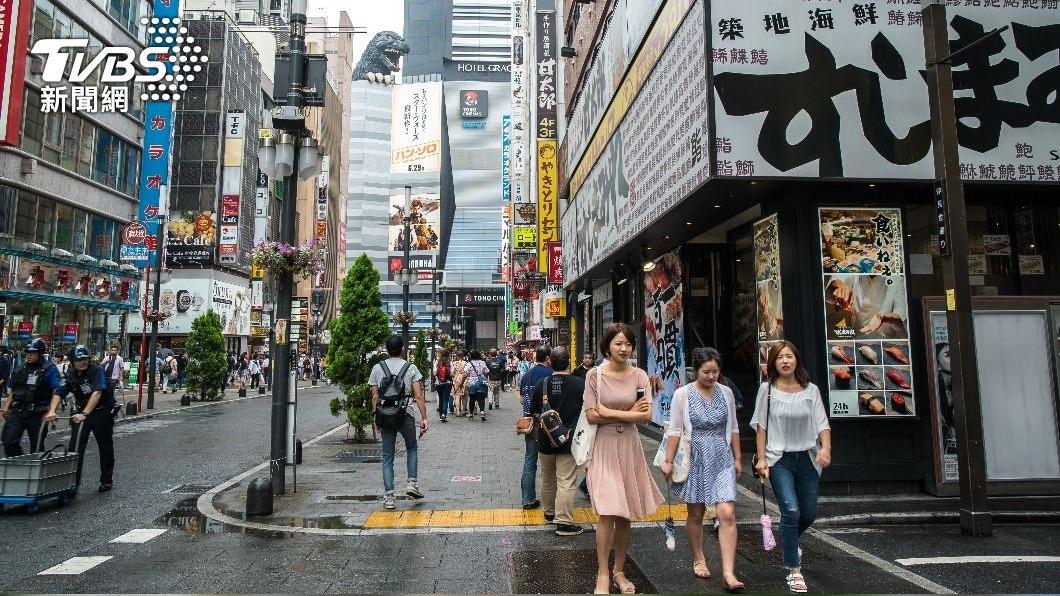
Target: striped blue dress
point(712, 473)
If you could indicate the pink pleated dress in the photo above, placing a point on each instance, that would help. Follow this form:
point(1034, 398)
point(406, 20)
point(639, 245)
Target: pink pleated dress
point(620, 482)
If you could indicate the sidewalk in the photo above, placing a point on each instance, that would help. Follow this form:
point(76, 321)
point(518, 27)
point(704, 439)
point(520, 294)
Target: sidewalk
point(469, 471)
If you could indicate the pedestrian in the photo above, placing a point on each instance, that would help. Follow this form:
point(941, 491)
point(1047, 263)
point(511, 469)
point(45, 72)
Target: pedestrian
point(705, 411)
point(182, 368)
point(511, 366)
point(113, 365)
point(169, 370)
point(32, 399)
point(794, 444)
point(266, 370)
point(443, 384)
point(477, 387)
point(617, 397)
point(396, 369)
point(540, 370)
point(460, 383)
point(233, 368)
point(495, 378)
point(520, 370)
point(585, 365)
point(94, 407)
point(254, 372)
point(5, 371)
point(559, 473)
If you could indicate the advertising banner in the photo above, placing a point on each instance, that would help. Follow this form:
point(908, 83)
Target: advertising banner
point(424, 225)
point(547, 200)
point(524, 237)
point(524, 214)
point(261, 208)
point(322, 198)
point(506, 157)
point(524, 265)
point(416, 129)
point(232, 304)
point(14, 38)
point(232, 182)
point(664, 329)
point(555, 263)
point(191, 237)
point(645, 168)
point(866, 313)
point(769, 299)
point(851, 76)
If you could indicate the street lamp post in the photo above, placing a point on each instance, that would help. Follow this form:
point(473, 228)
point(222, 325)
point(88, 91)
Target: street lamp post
point(407, 270)
point(434, 308)
point(317, 317)
point(156, 297)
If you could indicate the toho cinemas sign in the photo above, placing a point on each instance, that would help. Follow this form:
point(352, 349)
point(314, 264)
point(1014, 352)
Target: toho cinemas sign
point(480, 297)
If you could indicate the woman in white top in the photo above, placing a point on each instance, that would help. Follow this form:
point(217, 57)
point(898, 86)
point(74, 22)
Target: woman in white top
point(794, 443)
point(705, 410)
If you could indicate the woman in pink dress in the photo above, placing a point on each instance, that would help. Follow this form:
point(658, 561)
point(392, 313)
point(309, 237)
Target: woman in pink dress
point(617, 397)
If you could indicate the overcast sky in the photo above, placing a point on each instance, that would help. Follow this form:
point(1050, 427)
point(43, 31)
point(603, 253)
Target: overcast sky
point(374, 15)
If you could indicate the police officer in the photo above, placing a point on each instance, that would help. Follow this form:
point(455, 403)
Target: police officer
point(94, 411)
point(32, 398)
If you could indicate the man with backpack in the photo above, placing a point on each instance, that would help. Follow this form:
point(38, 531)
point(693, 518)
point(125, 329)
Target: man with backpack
point(395, 382)
point(539, 371)
point(556, 404)
point(495, 378)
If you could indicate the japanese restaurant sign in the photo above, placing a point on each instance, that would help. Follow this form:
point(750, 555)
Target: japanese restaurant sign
point(866, 313)
point(769, 298)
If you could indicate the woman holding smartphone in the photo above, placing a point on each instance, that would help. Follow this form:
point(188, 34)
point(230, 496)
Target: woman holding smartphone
point(617, 397)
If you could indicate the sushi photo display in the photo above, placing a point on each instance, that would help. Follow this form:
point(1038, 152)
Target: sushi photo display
point(769, 305)
point(866, 312)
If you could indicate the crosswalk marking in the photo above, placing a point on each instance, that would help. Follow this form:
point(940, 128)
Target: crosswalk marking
point(139, 535)
point(75, 566)
point(978, 559)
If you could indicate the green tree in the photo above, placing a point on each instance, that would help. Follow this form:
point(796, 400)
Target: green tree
point(421, 358)
point(356, 334)
point(206, 353)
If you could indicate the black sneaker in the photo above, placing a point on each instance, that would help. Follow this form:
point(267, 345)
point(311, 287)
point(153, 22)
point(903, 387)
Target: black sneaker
point(490, 406)
point(532, 505)
point(483, 417)
point(568, 530)
point(105, 487)
point(550, 517)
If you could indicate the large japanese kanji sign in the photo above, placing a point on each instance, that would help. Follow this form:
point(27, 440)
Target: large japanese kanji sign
point(836, 89)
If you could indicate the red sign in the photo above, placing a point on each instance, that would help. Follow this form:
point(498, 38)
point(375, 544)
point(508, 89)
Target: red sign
point(228, 249)
point(134, 233)
point(15, 21)
point(151, 242)
point(555, 262)
point(230, 206)
point(322, 228)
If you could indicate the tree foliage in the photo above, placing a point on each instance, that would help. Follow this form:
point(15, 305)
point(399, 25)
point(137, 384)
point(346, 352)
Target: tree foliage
point(356, 334)
point(421, 357)
point(207, 366)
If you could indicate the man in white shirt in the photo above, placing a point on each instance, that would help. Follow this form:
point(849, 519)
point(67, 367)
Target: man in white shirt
point(113, 367)
point(254, 369)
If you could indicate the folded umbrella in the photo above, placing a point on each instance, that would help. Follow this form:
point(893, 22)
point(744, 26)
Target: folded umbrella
point(768, 541)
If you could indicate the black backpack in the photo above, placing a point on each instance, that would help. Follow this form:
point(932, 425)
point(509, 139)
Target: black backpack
point(393, 404)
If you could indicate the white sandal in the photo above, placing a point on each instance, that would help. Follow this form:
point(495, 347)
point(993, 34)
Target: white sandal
point(796, 583)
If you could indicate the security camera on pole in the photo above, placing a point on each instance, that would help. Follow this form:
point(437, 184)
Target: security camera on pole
point(292, 154)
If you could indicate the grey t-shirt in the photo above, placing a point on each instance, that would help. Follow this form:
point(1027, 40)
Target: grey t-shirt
point(411, 376)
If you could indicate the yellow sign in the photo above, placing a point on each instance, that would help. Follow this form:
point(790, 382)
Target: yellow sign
point(951, 300)
point(547, 201)
point(658, 39)
point(257, 273)
point(555, 308)
point(264, 133)
point(524, 237)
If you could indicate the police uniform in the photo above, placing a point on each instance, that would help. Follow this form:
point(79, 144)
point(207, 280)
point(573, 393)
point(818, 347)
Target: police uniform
point(99, 419)
point(32, 388)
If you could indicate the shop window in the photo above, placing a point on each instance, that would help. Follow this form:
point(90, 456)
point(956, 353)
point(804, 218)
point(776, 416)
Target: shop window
point(43, 22)
point(25, 217)
point(53, 136)
point(101, 237)
point(80, 233)
point(85, 149)
point(130, 170)
point(45, 232)
point(209, 149)
point(191, 148)
point(105, 170)
point(33, 124)
point(7, 210)
point(71, 142)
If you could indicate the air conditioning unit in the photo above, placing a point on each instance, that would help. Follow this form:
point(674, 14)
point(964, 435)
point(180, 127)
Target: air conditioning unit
point(29, 166)
point(36, 65)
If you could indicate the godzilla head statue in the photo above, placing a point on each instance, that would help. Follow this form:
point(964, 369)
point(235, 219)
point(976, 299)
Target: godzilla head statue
point(381, 58)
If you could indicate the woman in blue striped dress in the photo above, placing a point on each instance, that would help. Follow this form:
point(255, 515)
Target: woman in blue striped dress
point(706, 411)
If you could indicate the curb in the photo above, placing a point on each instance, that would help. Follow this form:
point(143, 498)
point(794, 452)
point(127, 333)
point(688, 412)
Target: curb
point(937, 517)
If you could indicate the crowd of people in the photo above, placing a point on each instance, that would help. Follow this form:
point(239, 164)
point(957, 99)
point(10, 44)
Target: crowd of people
point(611, 396)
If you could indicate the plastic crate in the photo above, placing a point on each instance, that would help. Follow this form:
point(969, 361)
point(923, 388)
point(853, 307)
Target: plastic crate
point(34, 475)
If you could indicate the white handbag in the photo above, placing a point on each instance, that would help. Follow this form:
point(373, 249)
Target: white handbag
point(682, 459)
point(581, 446)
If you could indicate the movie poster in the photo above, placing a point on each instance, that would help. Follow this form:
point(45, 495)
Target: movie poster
point(425, 222)
point(664, 328)
point(866, 313)
point(943, 379)
point(769, 300)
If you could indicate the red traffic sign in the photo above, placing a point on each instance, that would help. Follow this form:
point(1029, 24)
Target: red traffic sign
point(134, 233)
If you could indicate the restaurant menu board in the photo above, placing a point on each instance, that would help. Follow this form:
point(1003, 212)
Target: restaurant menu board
point(770, 306)
point(866, 313)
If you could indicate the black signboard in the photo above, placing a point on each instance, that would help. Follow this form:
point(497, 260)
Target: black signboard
point(474, 103)
point(940, 217)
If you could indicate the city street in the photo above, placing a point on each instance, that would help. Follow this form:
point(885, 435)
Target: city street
point(166, 462)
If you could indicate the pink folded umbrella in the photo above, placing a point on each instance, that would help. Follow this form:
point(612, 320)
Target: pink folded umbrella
point(768, 541)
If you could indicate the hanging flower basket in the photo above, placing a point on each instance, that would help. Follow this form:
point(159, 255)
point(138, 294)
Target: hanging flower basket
point(404, 317)
point(434, 332)
point(277, 258)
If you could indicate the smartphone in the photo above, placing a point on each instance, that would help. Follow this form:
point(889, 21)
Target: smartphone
point(640, 393)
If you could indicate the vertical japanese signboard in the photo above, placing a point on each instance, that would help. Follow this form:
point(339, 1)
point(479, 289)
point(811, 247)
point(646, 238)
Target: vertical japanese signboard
point(322, 199)
point(866, 313)
point(157, 148)
point(546, 99)
point(231, 184)
point(664, 329)
point(15, 24)
point(506, 156)
point(769, 300)
point(416, 128)
point(848, 74)
point(555, 263)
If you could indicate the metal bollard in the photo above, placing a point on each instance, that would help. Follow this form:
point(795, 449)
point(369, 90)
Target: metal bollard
point(259, 497)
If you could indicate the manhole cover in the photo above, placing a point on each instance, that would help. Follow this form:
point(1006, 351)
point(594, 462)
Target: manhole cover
point(749, 546)
point(359, 456)
point(189, 489)
point(564, 572)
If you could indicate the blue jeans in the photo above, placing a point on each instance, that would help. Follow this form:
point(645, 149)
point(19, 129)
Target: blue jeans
point(796, 484)
point(529, 482)
point(408, 433)
point(445, 398)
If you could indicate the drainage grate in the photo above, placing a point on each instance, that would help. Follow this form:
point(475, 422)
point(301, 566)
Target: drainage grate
point(189, 489)
point(749, 546)
point(352, 457)
point(564, 572)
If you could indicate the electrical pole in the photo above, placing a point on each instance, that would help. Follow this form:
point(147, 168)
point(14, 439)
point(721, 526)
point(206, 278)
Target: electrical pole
point(406, 269)
point(156, 298)
point(975, 515)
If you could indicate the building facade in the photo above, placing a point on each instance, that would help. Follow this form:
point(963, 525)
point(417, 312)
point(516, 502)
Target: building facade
point(790, 196)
